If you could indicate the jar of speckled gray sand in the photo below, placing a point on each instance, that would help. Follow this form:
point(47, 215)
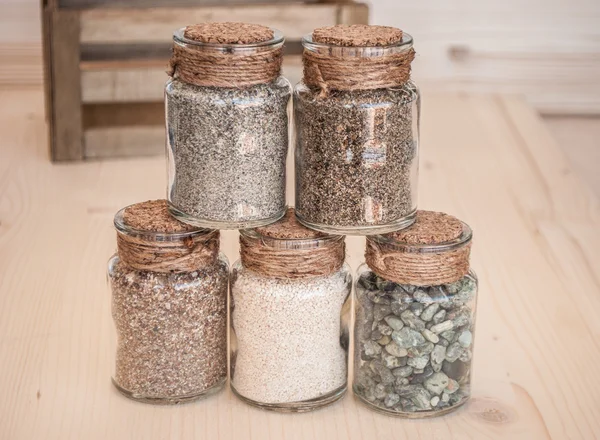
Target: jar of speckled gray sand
point(357, 131)
point(227, 126)
point(169, 288)
point(415, 319)
point(289, 317)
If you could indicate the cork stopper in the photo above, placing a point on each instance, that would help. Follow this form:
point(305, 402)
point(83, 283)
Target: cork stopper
point(153, 216)
point(291, 259)
point(357, 35)
point(288, 227)
point(207, 65)
point(380, 57)
point(228, 33)
point(435, 250)
point(186, 250)
point(430, 227)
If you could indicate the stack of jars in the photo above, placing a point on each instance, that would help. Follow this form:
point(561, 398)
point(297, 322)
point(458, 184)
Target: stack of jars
point(356, 161)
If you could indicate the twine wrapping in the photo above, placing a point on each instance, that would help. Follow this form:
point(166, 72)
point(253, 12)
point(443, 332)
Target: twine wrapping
point(287, 249)
point(339, 72)
point(417, 269)
point(179, 255)
point(292, 263)
point(434, 250)
point(206, 66)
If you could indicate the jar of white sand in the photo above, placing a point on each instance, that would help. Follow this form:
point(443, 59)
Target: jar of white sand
point(289, 316)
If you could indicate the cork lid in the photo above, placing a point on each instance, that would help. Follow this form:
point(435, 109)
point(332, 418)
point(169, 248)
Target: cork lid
point(430, 228)
point(357, 35)
point(153, 216)
point(288, 250)
point(289, 228)
point(228, 33)
point(149, 239)
point(435, 250)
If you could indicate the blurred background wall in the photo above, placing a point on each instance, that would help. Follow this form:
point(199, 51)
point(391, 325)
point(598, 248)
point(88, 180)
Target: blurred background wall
point(546, 50)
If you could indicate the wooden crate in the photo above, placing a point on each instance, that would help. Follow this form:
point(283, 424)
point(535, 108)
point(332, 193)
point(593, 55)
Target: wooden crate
point(105, 67)
point(80, 4)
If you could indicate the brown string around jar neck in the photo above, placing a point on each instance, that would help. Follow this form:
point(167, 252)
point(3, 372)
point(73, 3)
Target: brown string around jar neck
point(357, 57)
point(434, 251)
point(226, 55)
point(288, 250)
point(149, 239)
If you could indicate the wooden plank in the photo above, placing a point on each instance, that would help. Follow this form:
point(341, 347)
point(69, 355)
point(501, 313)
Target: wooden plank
point(92, 53)
point(65, 116)
point(541, 77)
point(156, 25)
point(124, 141)
point(123, 85)
point(124, 130)
point(81, 4)
point(123, 115)
point(490, 161)
point(496, 47)
point(141, 80)
point(579, 139)
point(46, 25)
point(353, 13)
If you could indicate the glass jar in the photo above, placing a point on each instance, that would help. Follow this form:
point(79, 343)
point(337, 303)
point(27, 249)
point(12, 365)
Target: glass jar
point(357, 149)
point(414, 340)
point(227, 143)
point(289, 328)
point(170, 321)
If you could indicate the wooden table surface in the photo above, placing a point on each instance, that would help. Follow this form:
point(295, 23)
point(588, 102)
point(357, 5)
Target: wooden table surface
point(488, 160)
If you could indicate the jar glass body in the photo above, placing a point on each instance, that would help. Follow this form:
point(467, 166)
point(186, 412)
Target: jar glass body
point(356, 154)
point(413, 344)
point(227, 149)
point(170, 331)
point(289, 339)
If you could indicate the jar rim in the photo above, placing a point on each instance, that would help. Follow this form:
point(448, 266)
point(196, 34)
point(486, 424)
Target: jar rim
point(465, 238)
point(278, 38)
point(291, 243)
point(403, 45)
point(123, 228)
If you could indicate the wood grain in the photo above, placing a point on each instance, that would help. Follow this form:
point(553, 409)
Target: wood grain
point(549, 50)
point(142, 80)
point(488, 160)
point(80, 4)
point(580, 138)
point(64, 85)
point(21, 65)
point(157, 24)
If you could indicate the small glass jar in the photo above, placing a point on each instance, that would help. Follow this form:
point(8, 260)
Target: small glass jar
point(227, 144)
point(414, 341)
point(356, 150)
point(170, 322)
point(289, 328)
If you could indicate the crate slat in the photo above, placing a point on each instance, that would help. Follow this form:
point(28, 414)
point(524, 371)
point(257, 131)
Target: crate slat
point(64, 91)
point(124, 141)
point(156, 25)
point(142, 80)
point(116, 4)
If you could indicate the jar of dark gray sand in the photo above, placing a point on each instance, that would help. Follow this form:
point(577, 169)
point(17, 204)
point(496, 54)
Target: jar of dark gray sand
point(227, 126)
point(289, 317)
point(169, 305)
point(415, 319)
point(357, 131)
